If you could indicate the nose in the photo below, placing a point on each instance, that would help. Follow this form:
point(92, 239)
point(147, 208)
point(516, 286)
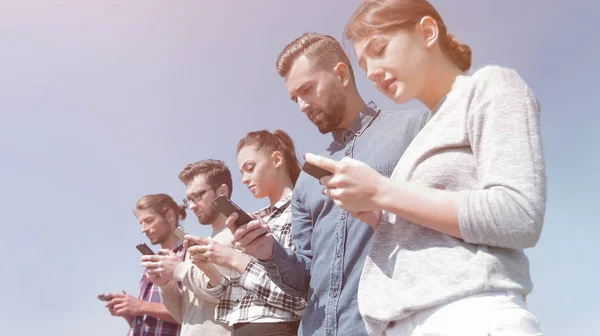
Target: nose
point(304, 106)
point(245, 179)
point(193, 206)
point(374, 73)
point(144, 228)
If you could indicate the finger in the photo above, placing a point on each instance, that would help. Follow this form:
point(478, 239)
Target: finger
point(120, 310)
point(230, 222)
point(165, 252)
point(251, 236)
point(151, 264)
point(325, 180)
point(322, 162)
point(257, 244)
point(193, 240)
point(154, 270)
point(246, 228)
point(153, 257)
point(198, 249)
point(333, 193)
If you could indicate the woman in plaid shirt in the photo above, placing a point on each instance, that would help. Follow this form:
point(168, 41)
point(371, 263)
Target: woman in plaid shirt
point(252, 304)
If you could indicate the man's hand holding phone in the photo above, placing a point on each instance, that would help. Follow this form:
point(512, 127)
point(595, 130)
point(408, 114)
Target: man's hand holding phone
point(161, 267)
point(254, 238)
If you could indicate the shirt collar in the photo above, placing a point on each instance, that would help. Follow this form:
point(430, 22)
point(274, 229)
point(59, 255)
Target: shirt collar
point(270, 209)
point(359, 124)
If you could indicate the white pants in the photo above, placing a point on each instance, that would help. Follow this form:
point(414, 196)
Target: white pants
point(494, 314)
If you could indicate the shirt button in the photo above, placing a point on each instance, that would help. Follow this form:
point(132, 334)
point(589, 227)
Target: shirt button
point(338, 254)
point(347, 152)
point(334, 294)
point(342, 217)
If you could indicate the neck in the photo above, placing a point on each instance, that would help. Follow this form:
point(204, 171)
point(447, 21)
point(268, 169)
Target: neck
point(281, 191)
point(170, 243)
point(441, 77)
point(354, 104)
point(219, 223)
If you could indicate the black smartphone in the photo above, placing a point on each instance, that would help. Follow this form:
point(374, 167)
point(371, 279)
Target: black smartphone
point(225, 206)
point(314, 171)
point(144, 249)
point(103, 297)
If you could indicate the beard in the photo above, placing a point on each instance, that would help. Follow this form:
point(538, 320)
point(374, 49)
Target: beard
point(208, 217)
point(330, 116)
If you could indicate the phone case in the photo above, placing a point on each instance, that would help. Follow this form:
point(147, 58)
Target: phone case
point(225, 206)
point(180, 233)
point(315, 171)
point(144, 249)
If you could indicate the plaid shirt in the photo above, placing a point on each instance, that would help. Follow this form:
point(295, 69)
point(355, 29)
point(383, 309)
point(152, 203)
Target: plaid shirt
point(146, 325)
point(254, 295)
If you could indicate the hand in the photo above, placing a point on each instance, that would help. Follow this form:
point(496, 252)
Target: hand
point(370, 217)
point(125, 305)
point(163, 264)
point(157, 279)
point(254, 238)
point(354, 186)
point(213, 252)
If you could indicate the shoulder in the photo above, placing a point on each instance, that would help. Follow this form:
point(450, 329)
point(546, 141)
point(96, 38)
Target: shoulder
point(493, 80)
point(407, 120)
point(406, 115)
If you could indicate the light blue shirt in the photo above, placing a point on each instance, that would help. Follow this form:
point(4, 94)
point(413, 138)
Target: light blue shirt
point(331, 246)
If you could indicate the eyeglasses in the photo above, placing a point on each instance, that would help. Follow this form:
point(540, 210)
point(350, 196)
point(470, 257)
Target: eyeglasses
point(195, 197)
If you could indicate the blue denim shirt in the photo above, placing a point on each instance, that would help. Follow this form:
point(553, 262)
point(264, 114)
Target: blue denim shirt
point(331, 245)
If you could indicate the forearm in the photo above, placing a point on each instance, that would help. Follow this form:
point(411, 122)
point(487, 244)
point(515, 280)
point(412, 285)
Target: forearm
point(433, 208)
point(157, 310)
point(171, 297)
point(290, 271)
point(256, 281)
point(195, 280)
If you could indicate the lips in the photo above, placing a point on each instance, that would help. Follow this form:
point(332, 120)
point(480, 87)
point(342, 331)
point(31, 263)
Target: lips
point(387, 85)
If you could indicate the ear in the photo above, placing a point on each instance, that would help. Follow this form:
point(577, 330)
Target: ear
point(429, 30)
point(342, 73)
point(223, 190)
point(277, 159)
point(171, 216)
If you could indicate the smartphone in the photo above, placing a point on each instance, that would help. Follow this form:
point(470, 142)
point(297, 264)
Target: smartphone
point(227, 207)
point(180, 233)
point(144, 249)
point(103, 297)
point(314, 171)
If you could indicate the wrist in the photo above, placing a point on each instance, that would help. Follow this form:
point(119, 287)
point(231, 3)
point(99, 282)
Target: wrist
point(382, 192)
point(240, 262)
point(143, 308)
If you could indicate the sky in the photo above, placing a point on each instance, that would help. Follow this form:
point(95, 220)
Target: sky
point(104, 101)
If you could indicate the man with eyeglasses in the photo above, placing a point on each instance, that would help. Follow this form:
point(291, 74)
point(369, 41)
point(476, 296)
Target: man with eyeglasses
point(193, 305)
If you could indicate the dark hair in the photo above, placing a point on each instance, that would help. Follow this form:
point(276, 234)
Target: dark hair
point(160, 203)
point(270, 142)
point(385, 16)
point(324, 50)
point(215, 172)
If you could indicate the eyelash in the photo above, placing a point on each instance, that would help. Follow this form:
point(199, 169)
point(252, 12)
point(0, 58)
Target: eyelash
point(380, 49)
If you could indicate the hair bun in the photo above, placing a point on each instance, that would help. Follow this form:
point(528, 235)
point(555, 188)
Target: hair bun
point(460, 54)
point(182, 211)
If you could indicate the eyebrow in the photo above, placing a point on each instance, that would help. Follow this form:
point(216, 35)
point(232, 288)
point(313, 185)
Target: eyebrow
point(361, 59)
point(245, 163)
point(301, 88)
